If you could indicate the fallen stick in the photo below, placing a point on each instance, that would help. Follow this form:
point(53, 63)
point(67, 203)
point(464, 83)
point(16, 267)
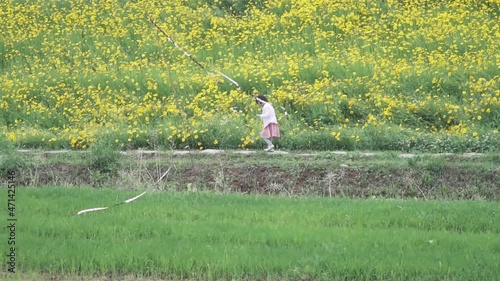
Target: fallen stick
point(105, 208)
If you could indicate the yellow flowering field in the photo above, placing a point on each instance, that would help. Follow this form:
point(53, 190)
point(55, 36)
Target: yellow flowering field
point(354, 74)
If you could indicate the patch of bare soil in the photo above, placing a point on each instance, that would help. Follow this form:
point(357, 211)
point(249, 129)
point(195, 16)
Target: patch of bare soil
point(56, 174)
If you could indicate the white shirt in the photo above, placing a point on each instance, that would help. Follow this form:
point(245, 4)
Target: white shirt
point(268, 115)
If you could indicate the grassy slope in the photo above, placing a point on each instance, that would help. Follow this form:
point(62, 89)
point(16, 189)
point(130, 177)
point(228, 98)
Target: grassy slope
point(209, 236)
point(376, 75)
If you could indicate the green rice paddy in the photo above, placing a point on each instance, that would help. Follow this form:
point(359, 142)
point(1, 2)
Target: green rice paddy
point(209, 236)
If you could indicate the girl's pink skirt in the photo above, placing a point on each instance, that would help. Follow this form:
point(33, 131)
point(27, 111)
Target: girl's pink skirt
point(270, 131)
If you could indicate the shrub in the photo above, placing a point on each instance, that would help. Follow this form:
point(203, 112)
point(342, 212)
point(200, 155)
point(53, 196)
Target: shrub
point(10, 157)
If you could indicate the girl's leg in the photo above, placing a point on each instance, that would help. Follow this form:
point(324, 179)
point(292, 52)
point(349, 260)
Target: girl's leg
point(269, 144)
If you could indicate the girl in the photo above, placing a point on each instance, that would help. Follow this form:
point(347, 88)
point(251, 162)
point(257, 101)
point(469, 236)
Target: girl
point(268, 116)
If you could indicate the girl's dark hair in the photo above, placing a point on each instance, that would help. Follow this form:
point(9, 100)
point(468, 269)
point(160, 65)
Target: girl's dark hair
point(260, 97)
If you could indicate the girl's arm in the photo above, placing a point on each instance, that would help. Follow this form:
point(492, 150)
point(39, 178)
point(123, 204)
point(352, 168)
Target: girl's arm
point(266, 111)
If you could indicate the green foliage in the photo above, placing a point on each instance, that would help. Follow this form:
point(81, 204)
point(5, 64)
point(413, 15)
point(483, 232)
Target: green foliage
point(10, 157)
point(455, 144)
point(233, 7)
point(104, 159)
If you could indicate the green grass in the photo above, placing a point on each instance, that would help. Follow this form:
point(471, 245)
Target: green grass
point(209, 236)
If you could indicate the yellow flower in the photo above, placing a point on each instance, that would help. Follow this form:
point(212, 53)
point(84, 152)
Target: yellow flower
point(12, 136)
